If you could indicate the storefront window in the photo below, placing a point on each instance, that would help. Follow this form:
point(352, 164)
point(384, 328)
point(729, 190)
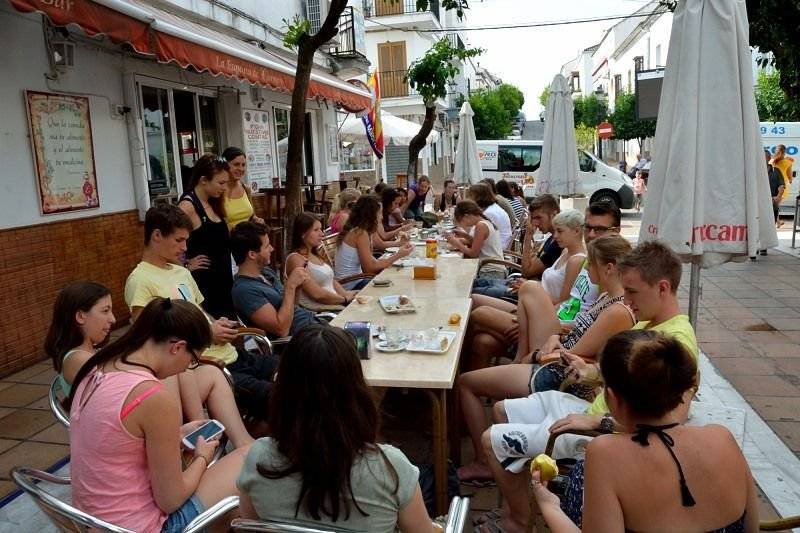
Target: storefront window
point(158, 137)
point(282, 138)
point(208, 121)
point(356, 155)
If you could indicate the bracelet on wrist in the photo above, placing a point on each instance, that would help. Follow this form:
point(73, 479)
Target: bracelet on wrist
point(203, 457)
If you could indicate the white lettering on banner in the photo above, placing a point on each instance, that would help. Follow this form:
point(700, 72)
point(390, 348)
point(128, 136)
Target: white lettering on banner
point(713, 232)
point(65, 5)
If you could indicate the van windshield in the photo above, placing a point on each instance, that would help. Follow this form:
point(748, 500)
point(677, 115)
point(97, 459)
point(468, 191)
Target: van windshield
point(584, 161)
point(518, 158)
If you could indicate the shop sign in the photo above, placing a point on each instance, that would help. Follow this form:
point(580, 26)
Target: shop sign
point(258, 147)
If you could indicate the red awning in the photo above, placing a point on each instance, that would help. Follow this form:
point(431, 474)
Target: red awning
point(170, 38)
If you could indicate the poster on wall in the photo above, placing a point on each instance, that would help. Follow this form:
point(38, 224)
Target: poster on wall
point(63, 154)
point(333, 143)
point(258, 147)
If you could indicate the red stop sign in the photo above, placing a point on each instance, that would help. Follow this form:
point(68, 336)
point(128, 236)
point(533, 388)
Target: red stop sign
point(605, 130)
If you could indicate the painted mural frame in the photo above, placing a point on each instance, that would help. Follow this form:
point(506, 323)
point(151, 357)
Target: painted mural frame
point(60, 127)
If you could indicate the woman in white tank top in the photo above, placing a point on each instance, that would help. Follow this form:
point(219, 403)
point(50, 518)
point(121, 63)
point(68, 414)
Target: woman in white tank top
point(484, 241)
point(568, 233)
point(320, 292)
point(354, 254)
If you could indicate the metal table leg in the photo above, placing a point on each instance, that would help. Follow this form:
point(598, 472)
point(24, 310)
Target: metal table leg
point(438, 400)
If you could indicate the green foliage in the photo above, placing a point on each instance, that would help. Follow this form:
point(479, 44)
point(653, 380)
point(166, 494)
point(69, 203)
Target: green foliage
point(544, 95)
point(773, 28)
point(584, 137)
point(430, 74)
point(495, 109)
point(626, 126)
point(512, 99)
point(458, 5)
point(771, 101)
point(589, 111)
point(295, 29)
point(492, 120)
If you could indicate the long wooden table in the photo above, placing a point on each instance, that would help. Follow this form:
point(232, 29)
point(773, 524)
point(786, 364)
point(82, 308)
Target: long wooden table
point(435, 300)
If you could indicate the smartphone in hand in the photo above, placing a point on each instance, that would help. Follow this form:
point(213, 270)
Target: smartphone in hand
point(209, 431)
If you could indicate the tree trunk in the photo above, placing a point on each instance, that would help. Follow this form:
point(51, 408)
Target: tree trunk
point(418, 142)
point(306, 48)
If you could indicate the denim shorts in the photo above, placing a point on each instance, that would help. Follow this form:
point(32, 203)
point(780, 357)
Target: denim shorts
point(178, 520)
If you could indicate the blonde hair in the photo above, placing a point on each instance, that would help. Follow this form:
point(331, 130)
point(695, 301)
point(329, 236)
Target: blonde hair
point(609, 249)
point(570, 218)
point(345, 199)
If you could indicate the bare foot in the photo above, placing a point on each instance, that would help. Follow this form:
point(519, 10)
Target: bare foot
point(475, 471)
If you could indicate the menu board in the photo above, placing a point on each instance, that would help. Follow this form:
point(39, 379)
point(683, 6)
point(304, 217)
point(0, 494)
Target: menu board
point(258, 147)
point(61, 139)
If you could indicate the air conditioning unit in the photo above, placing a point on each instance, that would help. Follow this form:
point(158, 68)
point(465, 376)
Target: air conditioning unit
point(316, 11)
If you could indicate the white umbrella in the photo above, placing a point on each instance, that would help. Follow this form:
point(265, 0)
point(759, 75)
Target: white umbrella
point(396, 130)
point(708, 194)
point(558, 172)
point(467, 163)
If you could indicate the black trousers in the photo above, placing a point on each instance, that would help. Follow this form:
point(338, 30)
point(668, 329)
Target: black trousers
point(252, 379)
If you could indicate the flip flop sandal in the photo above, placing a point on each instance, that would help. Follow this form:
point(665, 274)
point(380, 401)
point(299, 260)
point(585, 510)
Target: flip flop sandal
point(488, 516)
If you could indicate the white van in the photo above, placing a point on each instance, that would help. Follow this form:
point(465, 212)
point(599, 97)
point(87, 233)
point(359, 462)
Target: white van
point(787, 134)
point(519, 160)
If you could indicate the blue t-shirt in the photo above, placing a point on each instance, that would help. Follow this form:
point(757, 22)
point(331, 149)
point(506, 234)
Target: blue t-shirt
point(251, 294)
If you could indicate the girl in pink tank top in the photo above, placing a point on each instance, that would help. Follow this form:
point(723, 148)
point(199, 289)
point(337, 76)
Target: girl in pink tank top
point(118, 405)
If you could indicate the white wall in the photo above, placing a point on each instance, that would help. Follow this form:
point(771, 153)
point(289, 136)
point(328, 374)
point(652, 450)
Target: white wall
point(96, 74)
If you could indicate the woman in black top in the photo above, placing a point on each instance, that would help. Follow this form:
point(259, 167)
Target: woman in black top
point(208, 243)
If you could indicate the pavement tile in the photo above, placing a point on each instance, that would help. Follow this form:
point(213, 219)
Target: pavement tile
point(762, 337)
point(791, 302)
point(745, 324)
point(776, 408)
point(742, 366)
point(793, 336)
point(775, 312)
point(7, 444)
point(789, 432)
point(43, 378)
point(56, 433)
point(25, 423)
point(732, 312)
point(6, 411)
point(23, 375)
point(6, 488)
point(763, 386)
point(728, 349)
point(750, 303)
point(41, 403)
point(22, 394)
point(790, 365)
point(748, 293)
point(6, 384)
point(784, 324)
point(776, 351)
point(38, 455)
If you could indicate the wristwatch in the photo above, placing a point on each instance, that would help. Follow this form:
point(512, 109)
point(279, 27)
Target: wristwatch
point(607, 424)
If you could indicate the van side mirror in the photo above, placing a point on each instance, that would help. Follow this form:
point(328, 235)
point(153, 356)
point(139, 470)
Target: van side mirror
point(594, 166)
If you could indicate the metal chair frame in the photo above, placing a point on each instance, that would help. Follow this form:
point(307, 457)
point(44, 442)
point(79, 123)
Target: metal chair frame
point(55, 398)
point(456, 521)
point(68, 518)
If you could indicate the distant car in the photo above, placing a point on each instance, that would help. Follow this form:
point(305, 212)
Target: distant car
point(516, 132)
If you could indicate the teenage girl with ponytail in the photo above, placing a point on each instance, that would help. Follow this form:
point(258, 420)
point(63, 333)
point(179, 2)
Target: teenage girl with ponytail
point(125, 433)
point(484, 241)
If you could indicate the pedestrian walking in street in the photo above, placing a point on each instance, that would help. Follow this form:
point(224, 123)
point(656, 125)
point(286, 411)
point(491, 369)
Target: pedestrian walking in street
point(639, 188)
point(776, 190)
point(783, 164)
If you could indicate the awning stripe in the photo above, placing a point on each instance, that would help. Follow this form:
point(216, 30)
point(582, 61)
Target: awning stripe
point(171, 39)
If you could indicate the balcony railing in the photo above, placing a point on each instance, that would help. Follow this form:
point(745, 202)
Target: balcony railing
point(348, 37)
point(382, 8)
point(392, 84)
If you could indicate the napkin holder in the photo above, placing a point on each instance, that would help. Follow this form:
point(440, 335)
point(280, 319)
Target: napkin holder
point(426, 271)
point(361, 332)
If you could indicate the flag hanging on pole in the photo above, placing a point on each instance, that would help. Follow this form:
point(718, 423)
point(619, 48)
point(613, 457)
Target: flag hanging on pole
point(372, 120)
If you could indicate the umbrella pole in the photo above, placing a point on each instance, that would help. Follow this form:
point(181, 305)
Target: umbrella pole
point(694, 290)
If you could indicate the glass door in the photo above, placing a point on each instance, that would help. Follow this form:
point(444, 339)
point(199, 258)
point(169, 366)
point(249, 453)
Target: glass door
point(159, 144)
point(186, 128)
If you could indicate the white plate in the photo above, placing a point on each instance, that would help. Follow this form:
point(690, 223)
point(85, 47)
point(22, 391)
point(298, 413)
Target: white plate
point(391, 249)
point(449, 335)
point(404, 337)
point(383, 346)
point(391, 304)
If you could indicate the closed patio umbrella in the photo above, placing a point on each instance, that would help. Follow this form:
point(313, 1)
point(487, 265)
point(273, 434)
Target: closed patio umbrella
point(708, 194)
point(558, 172)
point(467, 164)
